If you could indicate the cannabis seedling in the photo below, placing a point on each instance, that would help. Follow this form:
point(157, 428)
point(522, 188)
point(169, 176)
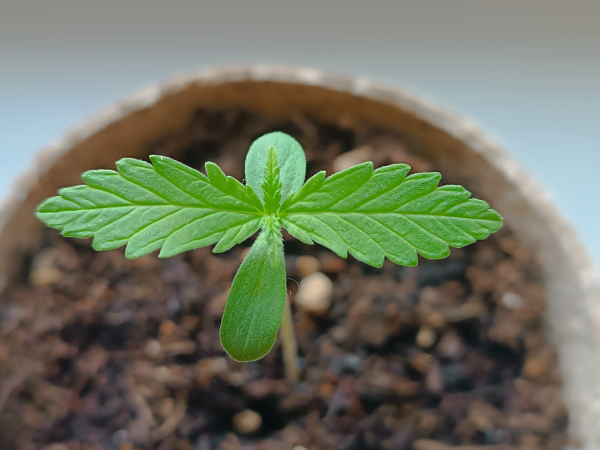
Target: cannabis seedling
point(169, 206)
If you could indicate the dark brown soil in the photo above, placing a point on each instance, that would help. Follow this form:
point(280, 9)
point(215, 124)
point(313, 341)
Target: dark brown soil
point(99, 352)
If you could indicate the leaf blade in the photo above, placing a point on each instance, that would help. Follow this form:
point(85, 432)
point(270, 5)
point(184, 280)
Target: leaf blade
point(255, 305)
point(384, 213)
point(151, 206)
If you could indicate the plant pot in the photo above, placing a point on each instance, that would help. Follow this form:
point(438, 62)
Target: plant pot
point(458, 150)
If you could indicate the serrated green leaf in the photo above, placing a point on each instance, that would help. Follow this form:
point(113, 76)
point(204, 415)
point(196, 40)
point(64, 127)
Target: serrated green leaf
point(383, 213)
point(255, 305)
point(292, 163)
point(164, 205)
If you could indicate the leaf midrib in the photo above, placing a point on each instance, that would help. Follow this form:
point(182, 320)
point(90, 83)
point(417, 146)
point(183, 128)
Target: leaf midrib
point(315, 213)
point(205, 180)
point(141, 205)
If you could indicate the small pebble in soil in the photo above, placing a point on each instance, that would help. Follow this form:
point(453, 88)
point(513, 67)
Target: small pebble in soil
point(162, 373)
point(352, 158)
point(306, 265)
point(426, 337)
point(314, 293)
point(247, 421)
point(120, 437)
point(421, 361)
point(451, 346)
point(331, 263)
point(153, 348)
point(535, 367)
point(512, 300)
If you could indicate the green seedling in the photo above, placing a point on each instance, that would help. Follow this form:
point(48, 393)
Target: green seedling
point(371, 214)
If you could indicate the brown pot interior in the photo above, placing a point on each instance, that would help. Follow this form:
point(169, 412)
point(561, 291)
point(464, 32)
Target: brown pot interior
point(133, 128)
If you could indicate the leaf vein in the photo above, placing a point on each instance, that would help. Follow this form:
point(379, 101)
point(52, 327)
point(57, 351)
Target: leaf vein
point(114, 221)
point(158, 194)
point(157, 221)
point(365, 232)
point(112, 193)
point(352, 192)
point(392, 230)
point(431, 233)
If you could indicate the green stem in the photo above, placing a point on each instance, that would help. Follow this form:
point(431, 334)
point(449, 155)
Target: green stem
point(288, 343)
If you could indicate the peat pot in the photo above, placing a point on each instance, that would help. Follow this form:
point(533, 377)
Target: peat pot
point(119, 362)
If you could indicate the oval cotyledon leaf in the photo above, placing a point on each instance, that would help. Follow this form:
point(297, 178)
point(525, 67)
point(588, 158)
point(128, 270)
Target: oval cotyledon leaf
point(255, 304)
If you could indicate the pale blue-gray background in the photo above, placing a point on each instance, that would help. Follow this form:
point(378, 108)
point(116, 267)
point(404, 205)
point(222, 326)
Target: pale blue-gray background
point(528, 71)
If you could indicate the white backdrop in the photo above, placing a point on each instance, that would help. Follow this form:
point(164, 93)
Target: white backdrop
point(527, 71)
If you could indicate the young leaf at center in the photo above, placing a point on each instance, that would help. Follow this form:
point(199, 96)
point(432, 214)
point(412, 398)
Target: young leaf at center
point(271, 185)
point(255, 305)
point(292, 163)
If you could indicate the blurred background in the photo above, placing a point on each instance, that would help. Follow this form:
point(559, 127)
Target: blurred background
point(527, 71)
